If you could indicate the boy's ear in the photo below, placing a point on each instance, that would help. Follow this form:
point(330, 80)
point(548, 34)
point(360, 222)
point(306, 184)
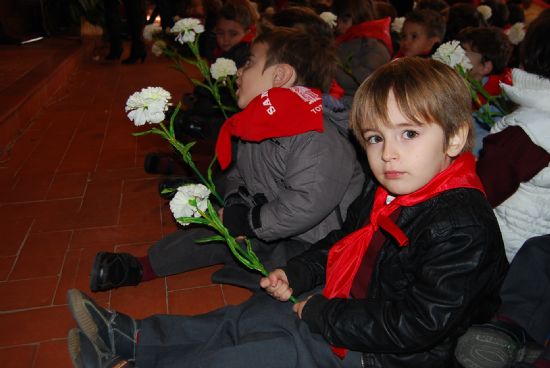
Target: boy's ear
point(458, 141)
point(284, 76)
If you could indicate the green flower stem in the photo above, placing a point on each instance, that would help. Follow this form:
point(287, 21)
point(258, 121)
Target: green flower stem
point(246, 256)
point(184, 150)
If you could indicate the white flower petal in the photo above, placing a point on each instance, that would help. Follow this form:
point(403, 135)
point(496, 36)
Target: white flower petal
point(329, 18)
point(397, 24)
point(222, 68)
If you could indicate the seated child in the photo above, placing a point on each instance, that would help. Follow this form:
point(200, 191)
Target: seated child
point(489, 51)
point(363, 44)
point(291, 182)
point(422, 31)
point(462, 15)
point(426, 261)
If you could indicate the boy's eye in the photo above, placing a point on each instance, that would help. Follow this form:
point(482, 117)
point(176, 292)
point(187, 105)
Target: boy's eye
point(373, 139)
point(410, 134)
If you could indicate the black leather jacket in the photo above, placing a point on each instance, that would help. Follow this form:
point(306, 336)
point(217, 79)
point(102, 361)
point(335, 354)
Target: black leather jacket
point(421, 297)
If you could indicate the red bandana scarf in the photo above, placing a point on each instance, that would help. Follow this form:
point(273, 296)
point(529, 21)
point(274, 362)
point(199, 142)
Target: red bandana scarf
point(378, 29)
point(345, 256)
point(278, 112)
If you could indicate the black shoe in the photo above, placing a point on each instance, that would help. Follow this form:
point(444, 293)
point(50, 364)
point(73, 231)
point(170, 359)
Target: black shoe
point(193, 126)
point(84, 354)
point(494, 345)
point(164, 164)
point(111, 333)
point(169, 186)
point(113, 270)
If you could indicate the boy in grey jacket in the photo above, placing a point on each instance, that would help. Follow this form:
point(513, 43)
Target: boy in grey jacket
point(293, 178)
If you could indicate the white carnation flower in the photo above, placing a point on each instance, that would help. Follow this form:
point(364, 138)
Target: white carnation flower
point(150, 30)
point(397, 24)
point(223, 67)
point(485, 11)
point(158, 47)
point(187, 29)
point(180, 206)
point(452, 54)
point(516, 33)
point(329, 18)
point(148, 105)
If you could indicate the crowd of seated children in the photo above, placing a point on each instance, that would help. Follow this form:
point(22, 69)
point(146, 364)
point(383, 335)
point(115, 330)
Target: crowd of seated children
point(283, 191)
point(421, 260)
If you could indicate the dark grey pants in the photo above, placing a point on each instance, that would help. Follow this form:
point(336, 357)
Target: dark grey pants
point(261, 332)
point(178, 252)
point(525, 292)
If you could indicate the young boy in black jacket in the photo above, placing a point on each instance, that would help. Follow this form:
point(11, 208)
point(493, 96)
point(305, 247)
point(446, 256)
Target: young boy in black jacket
point(426, 261)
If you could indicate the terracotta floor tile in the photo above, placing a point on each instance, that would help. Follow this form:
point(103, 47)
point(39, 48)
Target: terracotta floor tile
point(192, 279)
point(13, 233)
point(235, 295)
point(115, 235)
point(41, 209)
point(195, 301)
point(29, 293)
point(18, 356)
point(6, 265)
point(53, 354)
point(42, 255)
point(30, 188)
point(142, 300)
point(68, 185)
point(35, 325)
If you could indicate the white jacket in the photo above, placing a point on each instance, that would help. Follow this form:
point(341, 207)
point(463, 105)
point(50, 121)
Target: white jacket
point(527, 212)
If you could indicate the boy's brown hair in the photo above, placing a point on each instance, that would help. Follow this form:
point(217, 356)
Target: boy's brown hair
point(358, 10)
point(426, 91)
point(313, 59)
point(240, 11)
point(491, 43)
point(432, 21)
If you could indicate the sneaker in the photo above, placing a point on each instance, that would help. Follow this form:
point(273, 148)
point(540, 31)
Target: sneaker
point(113, 270)
point(494, 345)
point(110, 332)
point(84, 354)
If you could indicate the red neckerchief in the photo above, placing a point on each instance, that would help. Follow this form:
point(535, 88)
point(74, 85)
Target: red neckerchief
point(492, 85)
point(378, 29)
point(278, 112)
point(336, 90)
point(345, 256)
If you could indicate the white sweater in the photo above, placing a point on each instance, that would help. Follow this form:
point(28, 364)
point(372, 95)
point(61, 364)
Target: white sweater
point(527, 212)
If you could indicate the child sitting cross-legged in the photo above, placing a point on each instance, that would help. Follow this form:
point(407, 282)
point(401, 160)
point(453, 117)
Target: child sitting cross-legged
point(292, 180)
point(419, 259)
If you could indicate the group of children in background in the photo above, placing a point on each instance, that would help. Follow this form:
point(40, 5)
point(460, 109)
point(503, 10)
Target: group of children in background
point(360, 173)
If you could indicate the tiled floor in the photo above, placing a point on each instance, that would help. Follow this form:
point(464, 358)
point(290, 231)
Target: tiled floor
point(72, 185)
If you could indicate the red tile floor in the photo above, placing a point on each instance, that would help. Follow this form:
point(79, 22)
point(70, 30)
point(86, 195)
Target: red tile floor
point(71, 185)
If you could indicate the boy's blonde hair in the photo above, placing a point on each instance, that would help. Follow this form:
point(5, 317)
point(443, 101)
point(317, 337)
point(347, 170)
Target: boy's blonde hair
point(426, 91)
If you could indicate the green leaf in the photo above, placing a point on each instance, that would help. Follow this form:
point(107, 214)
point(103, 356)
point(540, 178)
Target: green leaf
point(193, 220)
point(199, 83)
point(210, 239)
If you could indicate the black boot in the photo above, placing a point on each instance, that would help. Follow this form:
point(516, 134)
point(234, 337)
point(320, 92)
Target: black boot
point(113, 270)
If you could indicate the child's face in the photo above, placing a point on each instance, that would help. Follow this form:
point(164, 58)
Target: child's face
point(228, 33)
point(479, 68)
point(405, 156)
point(252, 79)
point(415, 40)
point(343, 23)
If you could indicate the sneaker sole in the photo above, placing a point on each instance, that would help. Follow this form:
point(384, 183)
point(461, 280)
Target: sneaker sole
point(84, 320)
point(73, 344)
point(478, 350)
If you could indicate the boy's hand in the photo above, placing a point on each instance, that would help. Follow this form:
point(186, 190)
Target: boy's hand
point(299, 307)
point(276, 285)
